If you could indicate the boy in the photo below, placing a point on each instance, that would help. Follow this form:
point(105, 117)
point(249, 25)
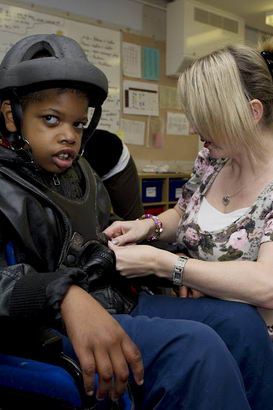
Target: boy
point(61, 274)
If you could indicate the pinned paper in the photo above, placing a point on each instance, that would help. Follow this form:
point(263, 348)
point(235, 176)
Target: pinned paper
point(131, 60)
point(151, 64)
point(140, 98)
point(177, 124)
point(134, 131)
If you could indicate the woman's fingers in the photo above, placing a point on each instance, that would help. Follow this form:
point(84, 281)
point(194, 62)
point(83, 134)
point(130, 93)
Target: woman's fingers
point(183, 291)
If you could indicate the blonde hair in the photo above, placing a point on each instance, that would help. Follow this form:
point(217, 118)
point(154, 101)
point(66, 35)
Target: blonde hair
point(215, 93)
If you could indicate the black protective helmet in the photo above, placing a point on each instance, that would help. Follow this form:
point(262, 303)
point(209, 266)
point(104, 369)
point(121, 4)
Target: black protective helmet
point(45, 61)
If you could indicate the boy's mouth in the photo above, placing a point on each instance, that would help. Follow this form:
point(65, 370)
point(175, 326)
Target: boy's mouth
point(64, 159)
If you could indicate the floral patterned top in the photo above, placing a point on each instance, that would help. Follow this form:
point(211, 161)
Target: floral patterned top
point(239, 241)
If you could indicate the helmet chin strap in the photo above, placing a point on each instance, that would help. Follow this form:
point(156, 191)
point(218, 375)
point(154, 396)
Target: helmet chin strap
point(17, 140)
point(17, 114)
point(88, 132)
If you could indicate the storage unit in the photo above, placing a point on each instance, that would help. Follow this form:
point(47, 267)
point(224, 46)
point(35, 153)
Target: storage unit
point(154, 210)
point(175, 188)
point(160, 191)
point(152, 190)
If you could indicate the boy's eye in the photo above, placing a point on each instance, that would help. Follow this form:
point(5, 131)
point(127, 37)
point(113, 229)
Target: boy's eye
point(51, 119)
point(79, 124)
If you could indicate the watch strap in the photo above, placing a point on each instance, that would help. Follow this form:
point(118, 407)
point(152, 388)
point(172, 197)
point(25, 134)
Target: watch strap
point(178, 270)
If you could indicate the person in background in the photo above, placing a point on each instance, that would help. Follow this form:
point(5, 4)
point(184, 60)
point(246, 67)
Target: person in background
point(223, 221)
point(61, 275)
point(111, 160)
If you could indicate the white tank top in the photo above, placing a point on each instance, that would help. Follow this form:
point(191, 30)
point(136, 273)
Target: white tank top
point(210, 219)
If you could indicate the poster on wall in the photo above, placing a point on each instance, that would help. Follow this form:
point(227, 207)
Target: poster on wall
point(140, 98)
point(101, 45)
point(134, 131)
point(177, 124)
point(131, 60)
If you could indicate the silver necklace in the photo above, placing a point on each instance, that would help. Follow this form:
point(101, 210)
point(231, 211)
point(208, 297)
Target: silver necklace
point(226, 198)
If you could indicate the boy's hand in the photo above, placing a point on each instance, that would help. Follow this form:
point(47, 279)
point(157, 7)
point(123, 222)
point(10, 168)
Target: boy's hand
point(102, 346)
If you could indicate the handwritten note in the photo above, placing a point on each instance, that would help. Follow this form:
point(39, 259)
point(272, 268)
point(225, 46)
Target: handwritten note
point(101, 45)
point(16, 23)
point(140, 98)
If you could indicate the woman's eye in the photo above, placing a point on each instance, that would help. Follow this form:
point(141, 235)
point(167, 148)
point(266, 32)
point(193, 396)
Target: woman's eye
point(51, 119)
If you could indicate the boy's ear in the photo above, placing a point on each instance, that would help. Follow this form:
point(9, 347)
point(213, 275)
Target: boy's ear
point(7, 114)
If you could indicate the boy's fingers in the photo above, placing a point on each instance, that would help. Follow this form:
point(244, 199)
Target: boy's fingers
point(106, 373)
point(134, 358)
point(88, 372)
point(121, 372)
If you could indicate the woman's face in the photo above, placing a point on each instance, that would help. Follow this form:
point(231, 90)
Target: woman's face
point(215, 150)
point(54, 126)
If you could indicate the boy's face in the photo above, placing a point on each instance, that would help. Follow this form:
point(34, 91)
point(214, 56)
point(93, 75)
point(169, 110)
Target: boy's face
point(54, 126)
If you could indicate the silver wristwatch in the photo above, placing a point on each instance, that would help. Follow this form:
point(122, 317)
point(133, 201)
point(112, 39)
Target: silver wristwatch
point(179, 270)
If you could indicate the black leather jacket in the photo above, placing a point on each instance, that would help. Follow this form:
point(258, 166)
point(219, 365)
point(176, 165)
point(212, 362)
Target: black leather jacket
point(49, 233)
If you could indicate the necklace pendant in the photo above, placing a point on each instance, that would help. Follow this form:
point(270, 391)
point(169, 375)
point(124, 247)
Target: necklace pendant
point(226, 200)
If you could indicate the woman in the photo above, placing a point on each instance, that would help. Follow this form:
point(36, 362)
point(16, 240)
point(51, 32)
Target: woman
point(224, 218)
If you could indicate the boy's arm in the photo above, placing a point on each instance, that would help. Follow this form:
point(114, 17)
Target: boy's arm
point(28, 294)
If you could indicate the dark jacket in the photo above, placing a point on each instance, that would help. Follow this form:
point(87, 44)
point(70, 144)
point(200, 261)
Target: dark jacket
point(52, 224)
point(123, 186)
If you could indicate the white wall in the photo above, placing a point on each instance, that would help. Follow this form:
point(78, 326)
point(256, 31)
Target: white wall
point(120, 12)
point(143, 17)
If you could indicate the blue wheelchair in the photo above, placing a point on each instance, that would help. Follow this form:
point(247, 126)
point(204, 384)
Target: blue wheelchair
point(45, 378)
point(52, 384)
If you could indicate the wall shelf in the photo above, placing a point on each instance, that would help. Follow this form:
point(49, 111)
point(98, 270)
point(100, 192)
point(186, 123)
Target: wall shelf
point(160, 191)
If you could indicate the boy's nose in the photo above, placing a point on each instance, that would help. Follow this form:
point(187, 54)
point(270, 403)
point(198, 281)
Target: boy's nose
point(68, 136)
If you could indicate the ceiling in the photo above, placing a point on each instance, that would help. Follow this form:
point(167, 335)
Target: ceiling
point(253, 11)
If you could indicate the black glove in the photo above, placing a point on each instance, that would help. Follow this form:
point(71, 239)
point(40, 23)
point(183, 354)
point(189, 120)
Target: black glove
point(94, 258)
point(98, 260)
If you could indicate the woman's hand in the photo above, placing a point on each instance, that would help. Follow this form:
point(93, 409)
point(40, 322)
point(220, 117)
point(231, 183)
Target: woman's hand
point(128, 232)
point(101, 345)
point(143, 260)
point(135, 260)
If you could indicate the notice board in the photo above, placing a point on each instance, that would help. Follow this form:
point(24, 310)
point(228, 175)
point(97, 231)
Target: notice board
point(102, 46)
